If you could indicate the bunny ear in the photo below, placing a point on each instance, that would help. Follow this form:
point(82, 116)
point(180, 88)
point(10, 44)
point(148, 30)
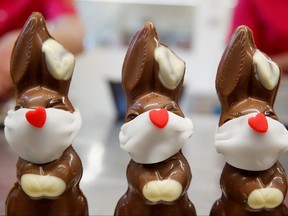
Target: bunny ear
point(57, 65)
point(267, 78)
point(170, 73)
point(25, 58)
point(267, 71)
point(232, 80)
point(139, 62)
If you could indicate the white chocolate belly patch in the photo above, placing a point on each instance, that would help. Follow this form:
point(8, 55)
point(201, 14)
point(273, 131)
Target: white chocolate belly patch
point(167, 190)
point(265, 198)
point(39, 186)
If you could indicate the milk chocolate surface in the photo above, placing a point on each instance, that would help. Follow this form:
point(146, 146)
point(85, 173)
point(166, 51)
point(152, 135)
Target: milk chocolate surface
point(243, 88)
point(146, 89)
point(33, 75)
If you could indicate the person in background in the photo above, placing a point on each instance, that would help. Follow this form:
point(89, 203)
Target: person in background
point(268, 21)
point(62, 21)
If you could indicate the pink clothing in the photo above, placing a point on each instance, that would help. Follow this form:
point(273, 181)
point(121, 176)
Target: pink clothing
point(268, 20)
point(14, 13)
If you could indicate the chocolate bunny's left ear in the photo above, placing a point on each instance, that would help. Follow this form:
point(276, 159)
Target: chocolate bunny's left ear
point(138, 66)
point(26, 54)
point(235, 68)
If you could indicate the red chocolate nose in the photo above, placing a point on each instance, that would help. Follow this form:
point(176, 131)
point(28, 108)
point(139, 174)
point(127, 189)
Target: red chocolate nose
point(36, 117)
point(159, 117)
point(258, 123)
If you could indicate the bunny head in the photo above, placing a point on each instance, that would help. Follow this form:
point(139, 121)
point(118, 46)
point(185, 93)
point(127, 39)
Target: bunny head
point(152, 79)
point(247, 80)
point(41, 69)
point(152, 74)
point(249, 134)
point(44, 122)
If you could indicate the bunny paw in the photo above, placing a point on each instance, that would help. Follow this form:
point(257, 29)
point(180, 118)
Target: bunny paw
point(166, 190)
point(38, 186)
point(265, 198)
point(274, 197)
point(256, 199)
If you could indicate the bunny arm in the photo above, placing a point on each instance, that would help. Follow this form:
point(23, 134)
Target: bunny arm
point(175, 168)
point(245, 182)
point(67, 168)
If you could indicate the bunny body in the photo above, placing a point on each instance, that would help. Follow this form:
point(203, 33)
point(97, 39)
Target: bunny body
point(249, 136)
point(158, 182)
point(134, 201)
point(42, 127)
point(71, 200)
point(238, 185)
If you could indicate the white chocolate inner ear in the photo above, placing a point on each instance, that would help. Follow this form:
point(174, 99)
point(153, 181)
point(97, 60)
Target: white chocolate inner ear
point(60, 62)
point(267, 71)
point(171, 67)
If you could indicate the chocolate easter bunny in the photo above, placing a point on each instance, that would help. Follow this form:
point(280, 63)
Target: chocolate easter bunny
point(249, 135)
point(42, 127)
point(155, 130)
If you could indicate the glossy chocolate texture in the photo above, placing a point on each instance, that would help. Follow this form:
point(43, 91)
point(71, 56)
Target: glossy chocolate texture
point(240, 93)
point(35, 87)
point(144, 92)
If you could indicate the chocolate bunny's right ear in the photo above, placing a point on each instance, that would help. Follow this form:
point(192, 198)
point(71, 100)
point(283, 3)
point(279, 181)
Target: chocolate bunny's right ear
point(232, 80)
point(26, 54)
point(139, 63)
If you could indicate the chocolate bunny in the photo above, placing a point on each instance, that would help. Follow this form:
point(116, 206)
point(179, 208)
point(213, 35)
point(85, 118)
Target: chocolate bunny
point(42, 127)
point(155, 130)
point(249, 136)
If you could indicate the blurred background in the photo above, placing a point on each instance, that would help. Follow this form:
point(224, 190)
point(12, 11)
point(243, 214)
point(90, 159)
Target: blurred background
point(197, 31)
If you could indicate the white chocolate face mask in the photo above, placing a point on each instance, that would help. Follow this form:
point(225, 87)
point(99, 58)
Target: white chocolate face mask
point(247, 149)
point(41, 145)
point(146, 143)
